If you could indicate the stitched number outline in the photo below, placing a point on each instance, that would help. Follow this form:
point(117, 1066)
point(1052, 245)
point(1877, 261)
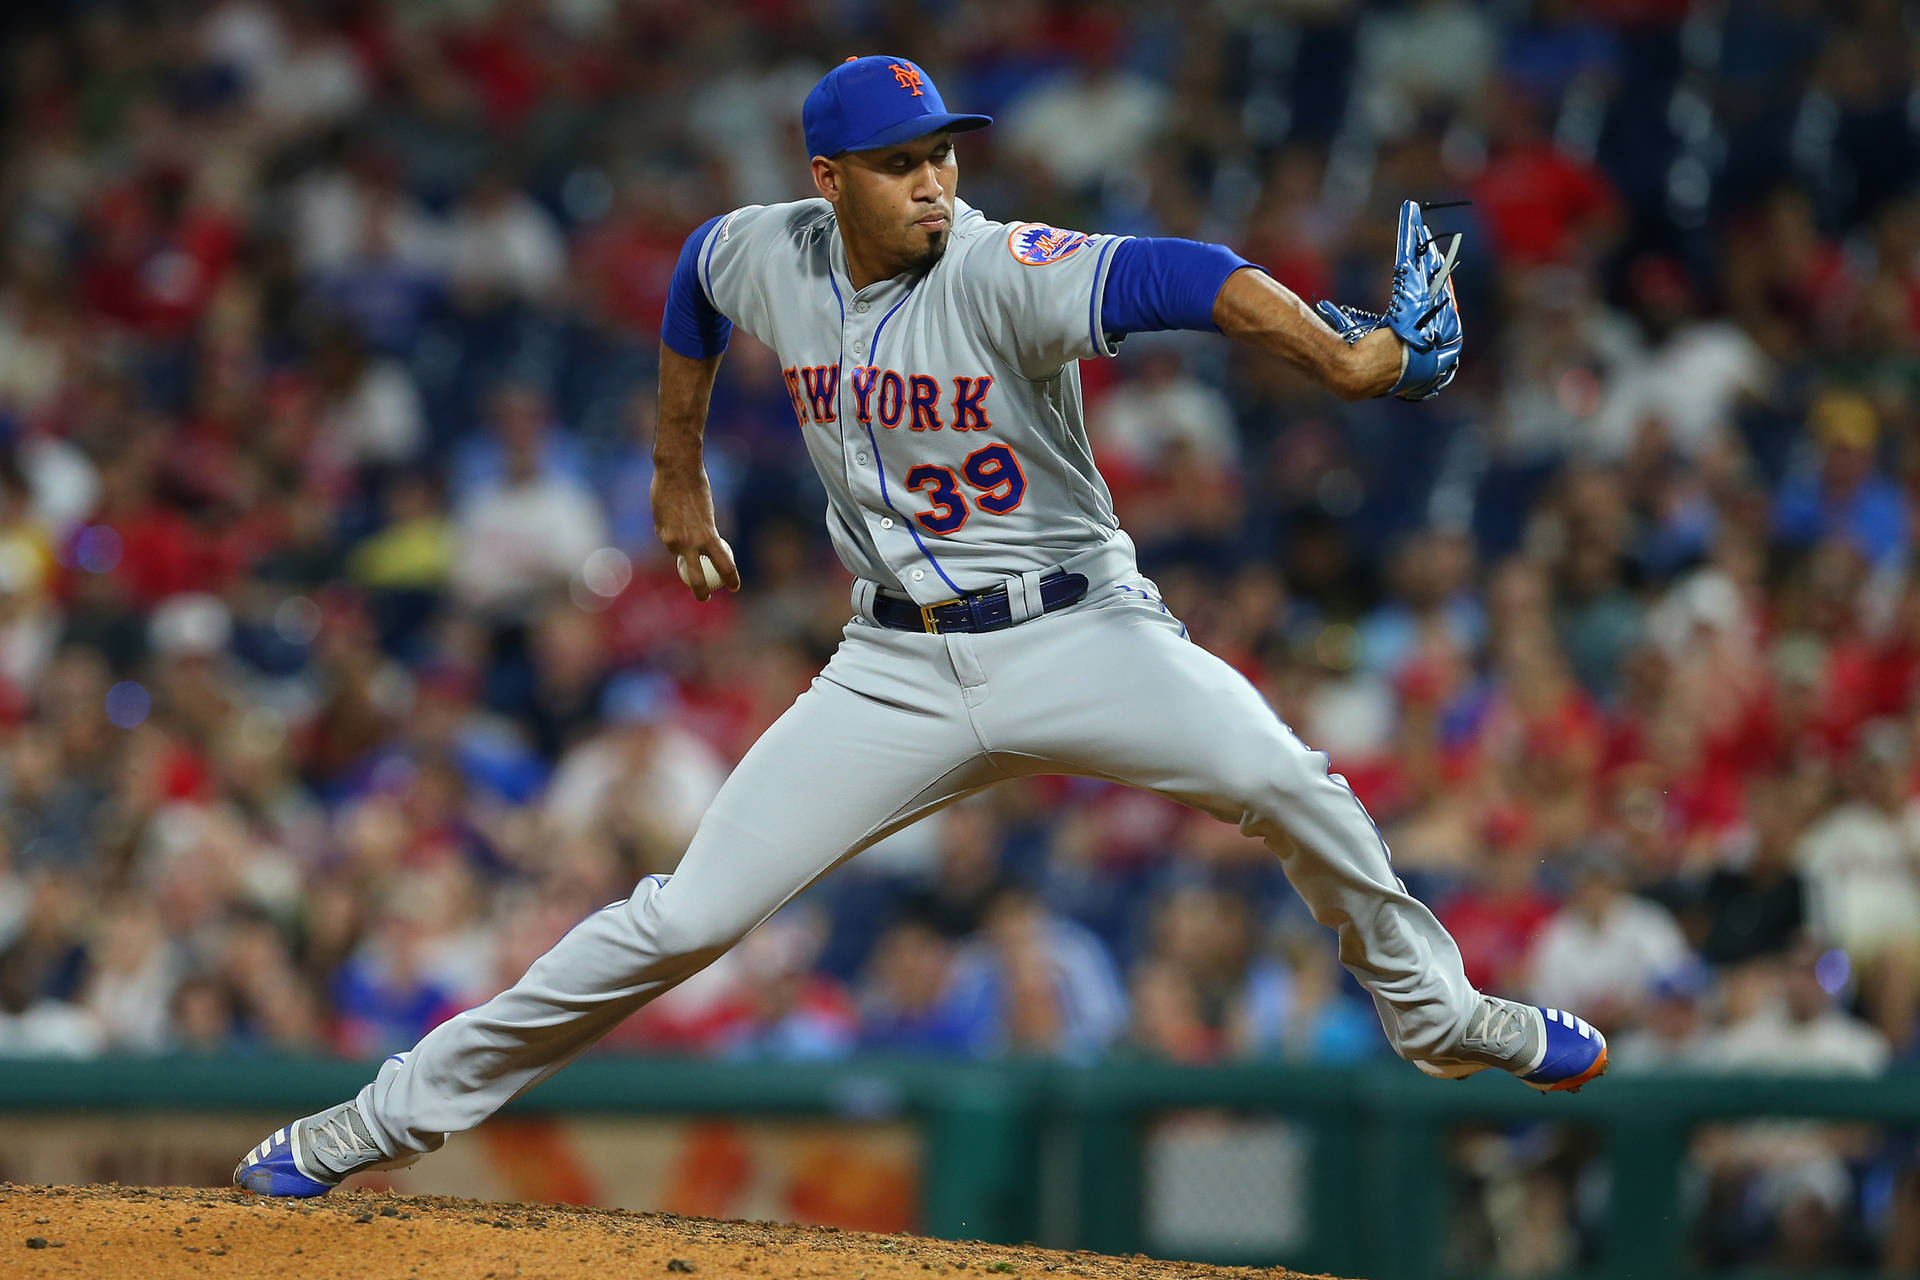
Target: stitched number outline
point(993, 470)
point(997, 474)
point(948, 501)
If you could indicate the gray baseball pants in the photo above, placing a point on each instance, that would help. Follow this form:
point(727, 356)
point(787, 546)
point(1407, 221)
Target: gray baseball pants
point(898, 725)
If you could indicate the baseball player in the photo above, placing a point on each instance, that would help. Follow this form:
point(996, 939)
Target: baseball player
point(1001, 625)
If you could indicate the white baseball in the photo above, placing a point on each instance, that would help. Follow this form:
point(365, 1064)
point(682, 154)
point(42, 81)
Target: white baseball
point(707, 569)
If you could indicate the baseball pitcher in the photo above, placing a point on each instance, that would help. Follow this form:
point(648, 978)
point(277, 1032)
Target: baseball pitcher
point(1001, 627)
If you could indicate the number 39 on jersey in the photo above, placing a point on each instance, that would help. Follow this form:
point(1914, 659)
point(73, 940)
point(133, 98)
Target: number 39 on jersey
point(993, 472)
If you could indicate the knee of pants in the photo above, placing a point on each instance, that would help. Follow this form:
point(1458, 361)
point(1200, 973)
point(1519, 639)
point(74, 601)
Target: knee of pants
point(675, 926)
point(1279, 781)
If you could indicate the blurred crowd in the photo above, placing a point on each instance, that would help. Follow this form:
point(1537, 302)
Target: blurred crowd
point(340, 672)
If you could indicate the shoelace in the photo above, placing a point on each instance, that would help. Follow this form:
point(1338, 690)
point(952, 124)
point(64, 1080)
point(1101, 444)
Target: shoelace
point(1499, 1028)
point(335, 1140)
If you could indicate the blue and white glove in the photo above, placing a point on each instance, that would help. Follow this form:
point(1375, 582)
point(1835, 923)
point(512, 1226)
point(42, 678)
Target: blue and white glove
point(1423, 312)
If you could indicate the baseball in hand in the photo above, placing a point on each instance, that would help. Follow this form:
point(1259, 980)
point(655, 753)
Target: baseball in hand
point(707, 568)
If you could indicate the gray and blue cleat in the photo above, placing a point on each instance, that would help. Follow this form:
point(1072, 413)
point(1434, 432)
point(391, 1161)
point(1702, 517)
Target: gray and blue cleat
point(1547, 1049)
point(311, 1156)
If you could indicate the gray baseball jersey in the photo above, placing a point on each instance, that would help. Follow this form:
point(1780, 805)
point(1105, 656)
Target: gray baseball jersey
point(942, 412)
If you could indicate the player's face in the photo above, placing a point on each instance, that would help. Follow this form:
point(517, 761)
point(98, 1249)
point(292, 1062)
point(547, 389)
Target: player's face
point(895, 204)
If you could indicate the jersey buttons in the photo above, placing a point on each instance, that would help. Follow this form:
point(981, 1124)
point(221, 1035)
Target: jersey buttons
point(886, 522)
point(919, 574)
point(860, 458)
point(862, 307)
point(859, 346)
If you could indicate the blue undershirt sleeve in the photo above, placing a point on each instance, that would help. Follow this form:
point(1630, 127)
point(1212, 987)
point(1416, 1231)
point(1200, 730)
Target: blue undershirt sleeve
point(1158, 284)
point(691, 325)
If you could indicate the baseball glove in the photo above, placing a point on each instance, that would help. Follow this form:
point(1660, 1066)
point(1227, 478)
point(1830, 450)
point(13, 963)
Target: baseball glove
point(1422, 312)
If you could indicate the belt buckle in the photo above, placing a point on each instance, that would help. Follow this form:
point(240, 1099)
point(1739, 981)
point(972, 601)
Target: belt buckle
point(926, 614)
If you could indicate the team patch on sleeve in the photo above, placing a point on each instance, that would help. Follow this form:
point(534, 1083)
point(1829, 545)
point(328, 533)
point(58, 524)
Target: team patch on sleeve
point(1037, 244)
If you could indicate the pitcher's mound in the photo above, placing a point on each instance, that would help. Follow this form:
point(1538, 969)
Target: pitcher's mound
point(140, 1233)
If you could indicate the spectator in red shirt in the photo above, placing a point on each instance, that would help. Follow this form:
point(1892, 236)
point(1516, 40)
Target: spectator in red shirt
point(160, 254)
point(1496, 918)
point(1541, 204)
point(623, 264)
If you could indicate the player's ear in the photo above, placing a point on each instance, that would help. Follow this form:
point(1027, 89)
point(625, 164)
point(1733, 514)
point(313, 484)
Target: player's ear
point(826, 179)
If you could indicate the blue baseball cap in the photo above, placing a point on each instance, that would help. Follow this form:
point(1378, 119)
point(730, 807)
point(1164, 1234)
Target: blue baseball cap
point(876, 101)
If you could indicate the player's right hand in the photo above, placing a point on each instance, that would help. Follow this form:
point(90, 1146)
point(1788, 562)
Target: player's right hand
point(683, 520)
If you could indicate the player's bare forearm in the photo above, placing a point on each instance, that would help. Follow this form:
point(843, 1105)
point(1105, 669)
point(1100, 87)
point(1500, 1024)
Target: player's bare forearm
point(686, 389)
point(1254, 308)
point(682, 499)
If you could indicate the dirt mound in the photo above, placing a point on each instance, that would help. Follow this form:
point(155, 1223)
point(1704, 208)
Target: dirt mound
point(140, 1233)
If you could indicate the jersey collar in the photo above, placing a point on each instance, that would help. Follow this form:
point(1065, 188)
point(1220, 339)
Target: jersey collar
point(837, 259)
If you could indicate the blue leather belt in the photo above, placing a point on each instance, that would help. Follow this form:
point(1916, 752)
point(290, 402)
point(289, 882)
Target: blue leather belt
point(984, 611)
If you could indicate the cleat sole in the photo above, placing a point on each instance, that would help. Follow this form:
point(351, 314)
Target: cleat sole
point(1576, 1083)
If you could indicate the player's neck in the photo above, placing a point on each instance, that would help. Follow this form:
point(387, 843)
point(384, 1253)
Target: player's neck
point(865, 268)
point(867, 264)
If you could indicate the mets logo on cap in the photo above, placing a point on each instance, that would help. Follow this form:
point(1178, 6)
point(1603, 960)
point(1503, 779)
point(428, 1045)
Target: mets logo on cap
point(907, 77)
point(1037, 244)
